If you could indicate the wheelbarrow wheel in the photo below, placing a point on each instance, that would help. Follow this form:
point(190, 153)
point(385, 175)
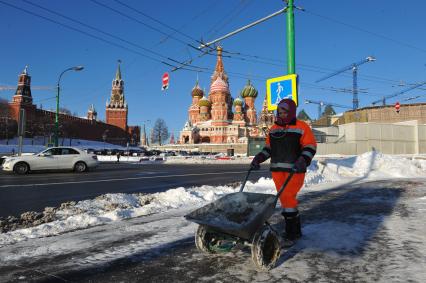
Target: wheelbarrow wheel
point(205, 239)
point(265, 249)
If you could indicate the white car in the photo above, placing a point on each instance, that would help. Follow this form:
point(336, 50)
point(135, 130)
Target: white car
point(54, 158)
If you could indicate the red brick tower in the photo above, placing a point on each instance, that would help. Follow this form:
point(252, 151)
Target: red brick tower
point(249, 94)
point(116, 108)
point(194, 110)
point(23, 98)
point(220, 96)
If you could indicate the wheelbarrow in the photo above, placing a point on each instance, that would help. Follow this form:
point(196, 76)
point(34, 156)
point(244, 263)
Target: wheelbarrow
point(240, 218)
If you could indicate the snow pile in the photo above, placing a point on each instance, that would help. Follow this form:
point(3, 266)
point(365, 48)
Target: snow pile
point(375, 164)
point(112, 207)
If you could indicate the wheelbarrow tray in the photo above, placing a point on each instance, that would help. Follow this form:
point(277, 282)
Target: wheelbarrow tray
point(238, 214)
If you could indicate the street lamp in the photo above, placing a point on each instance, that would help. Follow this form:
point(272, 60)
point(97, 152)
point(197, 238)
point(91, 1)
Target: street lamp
point(144, 131)
point(77, 68)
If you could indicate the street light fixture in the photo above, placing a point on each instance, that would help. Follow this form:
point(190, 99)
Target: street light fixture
point(76, 68)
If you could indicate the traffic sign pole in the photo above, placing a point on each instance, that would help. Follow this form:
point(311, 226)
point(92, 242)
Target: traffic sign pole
point(21, 130)
point(291, 62)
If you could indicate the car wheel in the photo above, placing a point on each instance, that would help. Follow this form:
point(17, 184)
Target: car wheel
point(21, 168)
point(80, 167)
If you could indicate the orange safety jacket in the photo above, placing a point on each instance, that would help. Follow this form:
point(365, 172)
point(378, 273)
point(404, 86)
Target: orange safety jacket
point(285, 144)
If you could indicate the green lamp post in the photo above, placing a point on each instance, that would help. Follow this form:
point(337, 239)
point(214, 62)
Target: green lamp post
point(77, 68)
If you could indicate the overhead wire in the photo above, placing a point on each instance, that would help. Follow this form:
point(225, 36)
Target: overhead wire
point(199, 14)
point(97, 29)
point(80, 31)
point(156, 20)
point(312, 68)
point(95, 36)
point(186, 65)
point(366, 31)
point(147, 25)
point(244, 5)
point(136, 20)
point(209, 31)
point(89, 34)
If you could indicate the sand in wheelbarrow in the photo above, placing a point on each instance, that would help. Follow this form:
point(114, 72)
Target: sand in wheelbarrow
point(235, 209)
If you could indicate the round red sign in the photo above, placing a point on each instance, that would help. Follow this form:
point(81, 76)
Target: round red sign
point(165, 78)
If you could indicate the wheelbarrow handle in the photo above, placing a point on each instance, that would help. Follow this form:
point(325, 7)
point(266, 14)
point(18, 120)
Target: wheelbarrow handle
point(245, 180)
point(284, 185)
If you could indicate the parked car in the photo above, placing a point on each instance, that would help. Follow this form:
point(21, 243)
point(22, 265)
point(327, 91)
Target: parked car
point(54, 158)
point(89, 150)
point(101, 152)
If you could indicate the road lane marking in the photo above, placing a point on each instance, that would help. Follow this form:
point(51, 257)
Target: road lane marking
point(123, 179)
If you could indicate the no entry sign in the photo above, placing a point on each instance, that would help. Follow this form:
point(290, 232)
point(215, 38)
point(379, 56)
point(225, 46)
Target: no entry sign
point(397, 106)
point(165, 81)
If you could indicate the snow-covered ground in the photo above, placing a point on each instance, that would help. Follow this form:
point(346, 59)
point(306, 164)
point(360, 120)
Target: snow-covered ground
point(161, 214)
point(114, 207)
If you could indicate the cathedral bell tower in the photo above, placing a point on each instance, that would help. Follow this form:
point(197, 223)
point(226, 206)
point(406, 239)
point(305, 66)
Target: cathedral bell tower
point(116, 107)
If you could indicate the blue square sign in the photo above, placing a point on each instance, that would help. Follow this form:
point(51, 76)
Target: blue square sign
point(280, 88)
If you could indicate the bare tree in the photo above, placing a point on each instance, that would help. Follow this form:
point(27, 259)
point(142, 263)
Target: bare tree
point(64, 110)
point(160, 132)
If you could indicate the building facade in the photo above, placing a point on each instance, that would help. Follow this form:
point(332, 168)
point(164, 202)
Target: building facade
point(219, 118)
point(41, 122)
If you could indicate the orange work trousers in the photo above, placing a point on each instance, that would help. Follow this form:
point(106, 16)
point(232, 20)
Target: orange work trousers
point(288, 197)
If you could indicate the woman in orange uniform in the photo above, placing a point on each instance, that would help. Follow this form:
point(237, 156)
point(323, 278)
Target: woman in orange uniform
point(291, 145)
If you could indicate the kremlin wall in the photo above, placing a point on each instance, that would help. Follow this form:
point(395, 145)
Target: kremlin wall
point(40, 122)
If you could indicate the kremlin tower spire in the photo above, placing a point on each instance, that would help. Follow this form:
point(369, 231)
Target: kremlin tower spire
point(23, 98)
point(23, 91)
point(116, 109)
point(219, 70)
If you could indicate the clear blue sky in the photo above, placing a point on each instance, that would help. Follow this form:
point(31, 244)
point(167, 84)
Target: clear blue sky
point(329, 36)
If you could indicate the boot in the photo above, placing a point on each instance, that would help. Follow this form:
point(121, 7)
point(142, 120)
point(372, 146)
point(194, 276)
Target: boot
point(293, 229)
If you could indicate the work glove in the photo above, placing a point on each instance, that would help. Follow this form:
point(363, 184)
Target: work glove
point(300, 165)
point(258, 158)
point(254, 165)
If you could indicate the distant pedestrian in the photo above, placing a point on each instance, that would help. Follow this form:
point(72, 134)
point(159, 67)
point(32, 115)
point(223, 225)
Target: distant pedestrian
point(118, 157)
point(13, 151)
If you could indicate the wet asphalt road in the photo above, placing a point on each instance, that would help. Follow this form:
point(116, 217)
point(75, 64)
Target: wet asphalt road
point(34, 192)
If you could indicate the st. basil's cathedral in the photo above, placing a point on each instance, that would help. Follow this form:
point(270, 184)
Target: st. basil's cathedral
point(211, 119)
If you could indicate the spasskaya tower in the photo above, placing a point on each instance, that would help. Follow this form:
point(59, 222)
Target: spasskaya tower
point(116, 107)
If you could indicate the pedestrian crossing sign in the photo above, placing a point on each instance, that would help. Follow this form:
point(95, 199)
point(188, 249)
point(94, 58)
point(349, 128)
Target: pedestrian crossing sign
point(280, 88)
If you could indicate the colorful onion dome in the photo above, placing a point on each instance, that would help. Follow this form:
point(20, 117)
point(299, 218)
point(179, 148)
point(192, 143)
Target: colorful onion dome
point(197, 91)
point(238, 101)
point(249, 90)
point(219, 85)
point(204, 102)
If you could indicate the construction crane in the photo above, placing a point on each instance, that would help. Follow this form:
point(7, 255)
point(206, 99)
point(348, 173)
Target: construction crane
point(383, 100)
point(322, 103)
point(354, 68)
